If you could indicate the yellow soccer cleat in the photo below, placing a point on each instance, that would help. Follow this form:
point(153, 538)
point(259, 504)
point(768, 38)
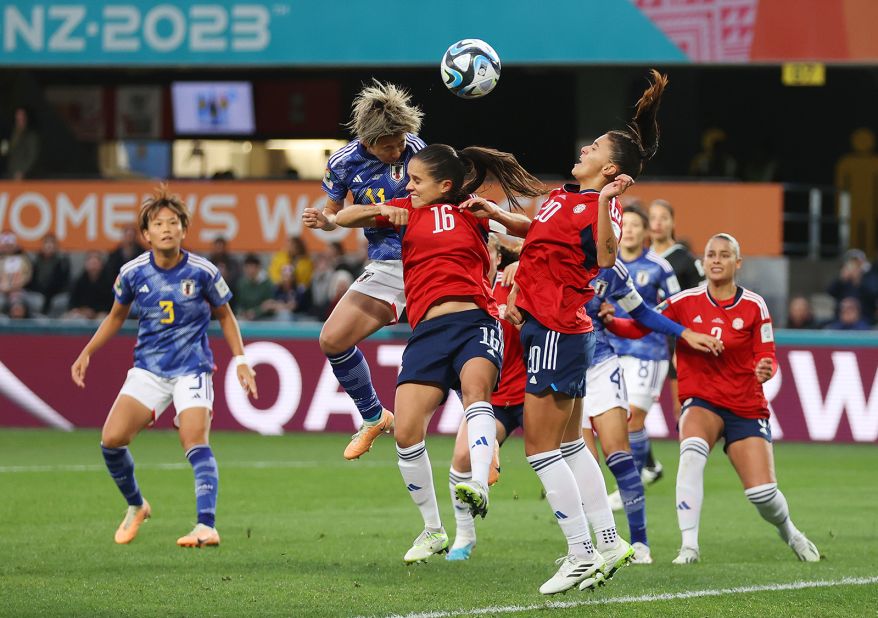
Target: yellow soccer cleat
point(201, 536)
point(135, 516)
point(494, 471)
point(362, 441)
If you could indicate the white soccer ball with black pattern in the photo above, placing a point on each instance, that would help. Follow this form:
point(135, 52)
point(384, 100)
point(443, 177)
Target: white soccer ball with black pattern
point(470, 68)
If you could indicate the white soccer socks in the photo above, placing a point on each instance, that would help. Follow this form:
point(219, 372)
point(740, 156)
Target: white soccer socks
point(690, 488)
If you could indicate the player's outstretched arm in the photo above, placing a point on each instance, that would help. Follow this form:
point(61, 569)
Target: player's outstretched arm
point(367, 216)
point(232, 334)
point(110, 325)
point(516, 223)
point(322, 220)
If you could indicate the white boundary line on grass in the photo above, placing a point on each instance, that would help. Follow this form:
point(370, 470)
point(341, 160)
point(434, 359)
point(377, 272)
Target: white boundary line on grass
point(646, 598)
point(187, 466)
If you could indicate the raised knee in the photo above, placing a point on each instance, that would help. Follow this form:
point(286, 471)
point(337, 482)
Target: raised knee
point(330, 343)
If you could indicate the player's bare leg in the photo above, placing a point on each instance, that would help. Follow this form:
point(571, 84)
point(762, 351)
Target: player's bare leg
point(699, 431)
point(126, 419)
point(354, 318)
point(194, 433)
point(753, 459)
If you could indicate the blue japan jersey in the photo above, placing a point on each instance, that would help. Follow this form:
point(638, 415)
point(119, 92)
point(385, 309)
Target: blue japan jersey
point(370, 181)
point(654, 279)
point(175, 308)
point(612, 284)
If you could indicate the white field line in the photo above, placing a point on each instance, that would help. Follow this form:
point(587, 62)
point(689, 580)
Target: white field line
point(186, 466)
point(646, 598)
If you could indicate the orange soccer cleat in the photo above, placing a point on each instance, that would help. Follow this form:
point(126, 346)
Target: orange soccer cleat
point(135, 516)
point(201, 536)
point(362, 441)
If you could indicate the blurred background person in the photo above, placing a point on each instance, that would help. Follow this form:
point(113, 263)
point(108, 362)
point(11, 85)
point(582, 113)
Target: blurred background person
point(51, 273)
point(23, 147)
point(92, 294)
point(15, 270)
point(850, 316)
point(714, 159)
point(226, 261)
point(800, 314)
point(850, 284)
point(286, 300)
point(130, 247)
point(296, 255)
point(254, 290)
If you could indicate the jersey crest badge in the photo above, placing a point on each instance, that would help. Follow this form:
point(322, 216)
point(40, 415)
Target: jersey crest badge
point(641, 277)
point(578, 209)
point(600, 287)
point(397, 171)
point(737, 323)
point(327, 178)
point(187, 287)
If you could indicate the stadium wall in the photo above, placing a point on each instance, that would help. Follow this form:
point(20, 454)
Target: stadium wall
point(826, 388)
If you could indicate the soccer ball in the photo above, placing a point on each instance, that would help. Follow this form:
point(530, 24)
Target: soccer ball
point(470, 68)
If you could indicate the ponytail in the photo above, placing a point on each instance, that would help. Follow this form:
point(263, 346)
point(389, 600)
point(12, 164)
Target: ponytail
point(632, 148)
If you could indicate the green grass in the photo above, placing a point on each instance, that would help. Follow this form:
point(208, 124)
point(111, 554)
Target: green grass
point(308, 534)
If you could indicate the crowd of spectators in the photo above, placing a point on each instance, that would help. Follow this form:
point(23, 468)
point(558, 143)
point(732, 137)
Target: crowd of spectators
point(291, 284)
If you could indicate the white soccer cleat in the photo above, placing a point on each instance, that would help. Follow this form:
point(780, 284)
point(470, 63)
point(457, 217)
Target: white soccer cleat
point(615, 500)
point(475, 495)
point(427, 544)
point(688, 555)
point(574, 571)
point(614, 559)
point(650, 475)
point(804, 549)
point(641, 554)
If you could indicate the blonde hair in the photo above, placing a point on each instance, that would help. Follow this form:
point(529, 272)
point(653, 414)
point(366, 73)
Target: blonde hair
point(162, 198)
point(736, 246)
point(380, 110)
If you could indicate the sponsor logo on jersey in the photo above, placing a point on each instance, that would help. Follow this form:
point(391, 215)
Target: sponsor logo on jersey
point(737, 323)
point(767, 333)
point(117, 286)
point(221, 287)
point(717, 321)
point(327, 178)
point(697, 319)
point(578, 209)
point(187, 287)
point(365, 276)
point(641, 277)
point(357, 178)
point(144, 289)
point(533, 380)
point(600, 287)
point(397, 171)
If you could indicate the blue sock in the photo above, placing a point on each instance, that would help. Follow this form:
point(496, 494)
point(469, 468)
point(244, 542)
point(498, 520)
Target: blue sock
point(353, 374)
point(206, 482)
point(120, 463)
point(639, 447)
point(621, 464)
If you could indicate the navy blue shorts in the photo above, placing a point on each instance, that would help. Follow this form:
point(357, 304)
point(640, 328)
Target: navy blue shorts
point(511, 417)
point(439, 348)
point(734, 427)
point(555, 361)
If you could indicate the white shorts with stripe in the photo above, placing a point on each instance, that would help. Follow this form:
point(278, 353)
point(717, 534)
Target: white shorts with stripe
point(604, 389)
point(382, 279)
point(644, 379)
point(157, 393)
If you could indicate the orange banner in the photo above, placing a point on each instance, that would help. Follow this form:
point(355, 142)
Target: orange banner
point(260, 216)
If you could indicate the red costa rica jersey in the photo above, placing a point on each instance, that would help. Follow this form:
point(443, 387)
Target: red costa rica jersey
point(559, 259)
point(744, 326)
point(444, 254)
point(510, 391)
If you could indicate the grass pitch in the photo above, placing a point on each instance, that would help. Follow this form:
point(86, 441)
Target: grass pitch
point(305, 533)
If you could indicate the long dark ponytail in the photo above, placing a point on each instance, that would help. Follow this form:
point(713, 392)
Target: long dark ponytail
point(468, 168)
point(632, 148)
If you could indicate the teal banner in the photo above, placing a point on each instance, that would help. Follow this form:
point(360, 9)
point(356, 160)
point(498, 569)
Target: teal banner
point(329, 33)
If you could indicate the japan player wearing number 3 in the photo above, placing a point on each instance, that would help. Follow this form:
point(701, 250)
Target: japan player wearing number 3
point(722, 396)
point(176, 292)
point(456, 339)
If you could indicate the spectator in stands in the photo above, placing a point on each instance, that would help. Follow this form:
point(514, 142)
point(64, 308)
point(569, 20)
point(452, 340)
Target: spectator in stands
point(92, 293)
point(225, 261)
point(324, 269)
point(286, 300)
point(849, 316)
point(352, 261)
point(128, 249)
point(254, 290)
point(15, 270)
point(799, 314)
point(18, 309)
point(23, 147)
point(296, 255)
point(850, 284)
point(51, 272)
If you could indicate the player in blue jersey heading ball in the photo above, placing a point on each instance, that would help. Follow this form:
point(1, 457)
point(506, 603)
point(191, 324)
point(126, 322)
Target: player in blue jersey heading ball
point(176, 292)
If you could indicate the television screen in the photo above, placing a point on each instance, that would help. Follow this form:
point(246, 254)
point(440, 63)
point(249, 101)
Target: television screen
point(222, 108)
